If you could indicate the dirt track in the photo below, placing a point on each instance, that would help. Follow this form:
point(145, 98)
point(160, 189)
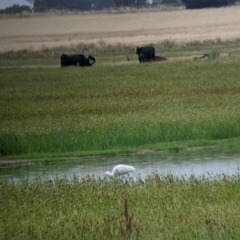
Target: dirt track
point(143, 27)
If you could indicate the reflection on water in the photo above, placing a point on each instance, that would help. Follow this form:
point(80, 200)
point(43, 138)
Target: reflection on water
point(207, 162)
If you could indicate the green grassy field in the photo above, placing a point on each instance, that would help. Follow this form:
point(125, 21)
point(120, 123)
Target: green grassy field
point(118, 104)
point(162, 208)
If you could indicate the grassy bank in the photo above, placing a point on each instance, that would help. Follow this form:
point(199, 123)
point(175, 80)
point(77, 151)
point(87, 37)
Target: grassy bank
point(162, 208)
point(118, 106)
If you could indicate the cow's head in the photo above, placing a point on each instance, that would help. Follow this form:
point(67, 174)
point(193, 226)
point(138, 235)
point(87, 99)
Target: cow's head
point(91, 60)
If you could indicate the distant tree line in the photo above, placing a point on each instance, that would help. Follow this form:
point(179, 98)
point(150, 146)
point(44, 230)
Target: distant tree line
point(85, 5)
point(166, 2)
point(130, 3)
point(15, 9)
point(195, 4)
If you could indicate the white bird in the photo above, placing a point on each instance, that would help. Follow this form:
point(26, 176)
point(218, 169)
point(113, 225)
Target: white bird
point(120, 170)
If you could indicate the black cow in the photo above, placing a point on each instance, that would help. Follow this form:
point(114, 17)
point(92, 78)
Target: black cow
point(145, 54)
point(77, 60)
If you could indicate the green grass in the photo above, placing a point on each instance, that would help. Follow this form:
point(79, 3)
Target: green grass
point(162, 208)
point(116, 105)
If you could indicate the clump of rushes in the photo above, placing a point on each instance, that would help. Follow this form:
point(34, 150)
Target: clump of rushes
point(163, 207)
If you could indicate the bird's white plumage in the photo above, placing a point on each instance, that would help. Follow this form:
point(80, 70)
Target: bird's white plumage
point(120, 170)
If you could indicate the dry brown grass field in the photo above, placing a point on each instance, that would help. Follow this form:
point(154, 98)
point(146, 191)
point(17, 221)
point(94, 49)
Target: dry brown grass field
point(38, 32)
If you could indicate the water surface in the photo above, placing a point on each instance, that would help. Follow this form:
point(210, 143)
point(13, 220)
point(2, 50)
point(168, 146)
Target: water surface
point(205, 162)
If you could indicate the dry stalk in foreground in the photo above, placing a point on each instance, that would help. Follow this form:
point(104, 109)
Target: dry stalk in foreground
point(126, 227)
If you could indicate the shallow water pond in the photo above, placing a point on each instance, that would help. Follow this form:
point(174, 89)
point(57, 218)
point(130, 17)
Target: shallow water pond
point(209, 162)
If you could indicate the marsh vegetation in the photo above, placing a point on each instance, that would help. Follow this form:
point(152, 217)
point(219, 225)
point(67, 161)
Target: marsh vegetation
point(162, 208)
point(119, 106)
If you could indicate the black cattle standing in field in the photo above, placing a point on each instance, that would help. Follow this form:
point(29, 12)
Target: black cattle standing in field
point(145, 54)
point(77, 60)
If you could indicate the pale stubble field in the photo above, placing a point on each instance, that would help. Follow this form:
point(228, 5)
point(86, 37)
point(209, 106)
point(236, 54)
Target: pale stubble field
point(38, 32)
